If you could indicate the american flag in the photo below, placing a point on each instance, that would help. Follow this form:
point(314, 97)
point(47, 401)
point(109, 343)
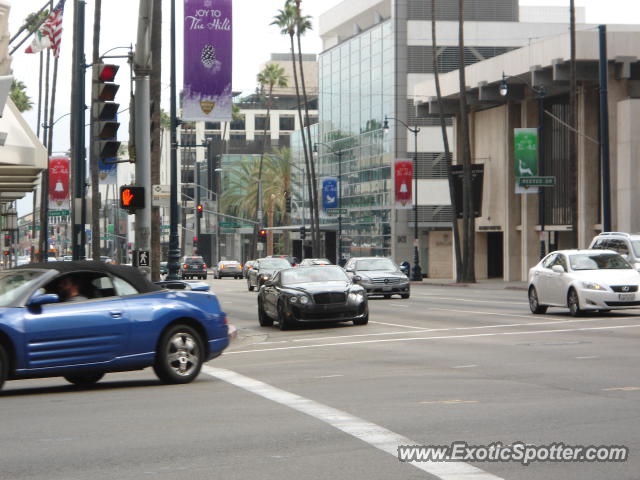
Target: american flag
point(50, 33)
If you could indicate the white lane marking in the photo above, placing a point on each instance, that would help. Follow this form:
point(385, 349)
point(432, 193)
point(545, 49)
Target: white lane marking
point(437, 297)
point(329, 376)
point(587, 357)
point(375, 435)
point(423, 330)
point(465, 366)
point(272, 343)
point(399, 305)
point(486, 313)
point(446, 337)
point(455, 401)
point(397, 325)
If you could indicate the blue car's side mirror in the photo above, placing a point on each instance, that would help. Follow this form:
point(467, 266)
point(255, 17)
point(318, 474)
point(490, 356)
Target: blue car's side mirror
point(43, 299)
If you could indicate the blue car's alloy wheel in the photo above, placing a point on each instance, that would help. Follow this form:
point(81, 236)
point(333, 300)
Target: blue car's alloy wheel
point(179, 356)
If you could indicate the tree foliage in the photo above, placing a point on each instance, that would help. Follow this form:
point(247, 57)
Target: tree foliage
point(19, 96)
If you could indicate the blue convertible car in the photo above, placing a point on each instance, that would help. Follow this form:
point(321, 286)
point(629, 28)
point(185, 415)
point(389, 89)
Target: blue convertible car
point(117, 321)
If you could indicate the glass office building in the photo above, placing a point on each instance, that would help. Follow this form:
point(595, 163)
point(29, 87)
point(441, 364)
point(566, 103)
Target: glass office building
point(356, 91)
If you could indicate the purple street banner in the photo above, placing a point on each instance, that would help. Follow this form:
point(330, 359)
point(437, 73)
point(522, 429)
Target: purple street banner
point(207, 60)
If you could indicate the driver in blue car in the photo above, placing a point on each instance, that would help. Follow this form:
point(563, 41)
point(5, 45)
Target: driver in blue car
point(69, 290)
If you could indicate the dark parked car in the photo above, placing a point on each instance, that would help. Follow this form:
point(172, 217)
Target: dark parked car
point(379, 276)
point(228, 268)
point(264, 269)
point(312, 294)
point(248, 265)
point(193, 267)
point(119, 322)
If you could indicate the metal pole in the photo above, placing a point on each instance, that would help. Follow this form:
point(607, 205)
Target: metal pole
point(198, 213)
point(416, 271)
point(540, 93)
point(604, 132)
point(174, 250)
point(142, 118)
point(338, 260)
point(79, 213)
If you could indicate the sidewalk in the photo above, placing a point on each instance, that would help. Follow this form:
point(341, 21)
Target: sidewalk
point(491, 284)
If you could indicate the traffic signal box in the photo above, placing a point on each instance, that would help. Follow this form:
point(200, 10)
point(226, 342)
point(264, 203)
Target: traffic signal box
point(199, 210)
point(131, 198)
point(105, 110)
point(262, 235)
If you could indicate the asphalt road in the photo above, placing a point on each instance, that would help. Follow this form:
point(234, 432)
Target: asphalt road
point(449, 364)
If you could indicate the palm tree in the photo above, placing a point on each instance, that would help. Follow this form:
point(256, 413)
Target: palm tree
point(240, 197)
point(303, 24)
point(445, 140)
point(272, 76)
point(468, 219)
point(286, 20)
point(278, 181)
point(155, 91)
point(19, 96)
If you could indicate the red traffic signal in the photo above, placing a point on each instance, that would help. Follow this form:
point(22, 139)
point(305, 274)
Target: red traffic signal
point(262, 235)
point(199, 208)
point(107, 72)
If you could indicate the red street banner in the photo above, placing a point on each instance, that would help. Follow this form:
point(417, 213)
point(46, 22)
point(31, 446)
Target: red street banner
point(59, 183)
point(403, 173)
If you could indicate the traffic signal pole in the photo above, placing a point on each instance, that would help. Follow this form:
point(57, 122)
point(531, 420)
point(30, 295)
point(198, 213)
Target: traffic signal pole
point(142, 70)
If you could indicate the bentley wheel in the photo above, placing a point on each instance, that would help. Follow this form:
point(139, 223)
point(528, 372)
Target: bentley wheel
point(362, 321)
point(282, 319)
point(387, 296)
point(249, 286)
point(404, 295)
point(84, 380)
point(179, 356)
point(263, 318)
point(4, 365)
point(573, 303)
point(534, 304)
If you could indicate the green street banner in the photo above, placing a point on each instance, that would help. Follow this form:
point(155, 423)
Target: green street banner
point(525, 153)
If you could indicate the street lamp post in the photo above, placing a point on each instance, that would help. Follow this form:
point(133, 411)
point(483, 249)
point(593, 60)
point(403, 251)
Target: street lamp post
point(540, 93)
point(416, 271)
point(339, 154)
point(173, 265)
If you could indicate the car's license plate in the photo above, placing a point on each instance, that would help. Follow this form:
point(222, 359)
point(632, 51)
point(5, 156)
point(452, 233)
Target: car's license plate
point(386, 288)
point(626, 297)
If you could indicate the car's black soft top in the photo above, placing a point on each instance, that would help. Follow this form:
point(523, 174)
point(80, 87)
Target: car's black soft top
point(130, 274)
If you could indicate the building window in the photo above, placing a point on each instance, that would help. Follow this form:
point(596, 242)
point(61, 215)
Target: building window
point(212, 125)
point(287, 123)
point(238, 124)
point(261, 123)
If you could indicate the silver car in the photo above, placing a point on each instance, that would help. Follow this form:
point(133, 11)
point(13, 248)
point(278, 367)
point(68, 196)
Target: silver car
point(228, 268)
point(379, 276)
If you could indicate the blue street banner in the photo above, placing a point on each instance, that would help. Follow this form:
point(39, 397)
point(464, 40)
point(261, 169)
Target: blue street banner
point(207, 60)
point(108, 171)
point(329, 192)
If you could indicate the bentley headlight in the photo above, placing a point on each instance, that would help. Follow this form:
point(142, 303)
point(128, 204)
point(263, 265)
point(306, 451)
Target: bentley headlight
point(356, 296)
point(299, 299)
point(593, 286)
point(304, 300)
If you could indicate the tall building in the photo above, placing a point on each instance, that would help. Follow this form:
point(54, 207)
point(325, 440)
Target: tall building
point(377, 54)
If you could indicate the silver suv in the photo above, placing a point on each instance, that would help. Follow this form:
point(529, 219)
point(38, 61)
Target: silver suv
point(626, 244)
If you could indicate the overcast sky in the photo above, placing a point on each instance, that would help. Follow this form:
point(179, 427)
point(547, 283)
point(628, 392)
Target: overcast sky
point(253, 42)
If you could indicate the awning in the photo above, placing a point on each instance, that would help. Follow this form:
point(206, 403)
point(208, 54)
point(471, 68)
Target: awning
point(22, 155)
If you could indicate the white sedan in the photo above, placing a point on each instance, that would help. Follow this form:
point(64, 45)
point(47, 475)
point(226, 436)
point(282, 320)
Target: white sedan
point(583, 280)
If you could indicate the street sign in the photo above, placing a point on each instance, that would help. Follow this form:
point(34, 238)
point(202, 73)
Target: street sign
point(228, 225)
point(537, 181)
point(161, 196)
point(143, 258)
point(336, 211)
point(58, 213)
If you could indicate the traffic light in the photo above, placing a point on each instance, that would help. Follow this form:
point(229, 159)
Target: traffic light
point(199, 209)
point(262, 235)
point(7, 240)
point(288, 204)
point(195, 242)
point(303, 232)
point(105, 110)
point(131, 197)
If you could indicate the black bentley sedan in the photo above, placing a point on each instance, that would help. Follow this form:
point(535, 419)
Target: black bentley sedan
point(312, 294)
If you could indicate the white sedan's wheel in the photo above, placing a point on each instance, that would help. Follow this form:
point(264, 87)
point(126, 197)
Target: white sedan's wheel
point(534, 304)
point(573, 302)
